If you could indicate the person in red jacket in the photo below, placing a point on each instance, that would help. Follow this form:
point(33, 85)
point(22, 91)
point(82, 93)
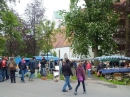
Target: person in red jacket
point(88, 68)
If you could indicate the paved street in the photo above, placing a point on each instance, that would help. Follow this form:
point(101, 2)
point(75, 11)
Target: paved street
point(49, 88)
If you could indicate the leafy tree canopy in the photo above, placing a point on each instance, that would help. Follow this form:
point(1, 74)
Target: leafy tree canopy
point(91, 27)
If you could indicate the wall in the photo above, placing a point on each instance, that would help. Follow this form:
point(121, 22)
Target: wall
point(61, 52)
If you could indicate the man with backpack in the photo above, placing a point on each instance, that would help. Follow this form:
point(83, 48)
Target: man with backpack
point(32, 65)
point(12, 68)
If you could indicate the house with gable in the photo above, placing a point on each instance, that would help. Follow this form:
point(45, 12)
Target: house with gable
point(61, 46)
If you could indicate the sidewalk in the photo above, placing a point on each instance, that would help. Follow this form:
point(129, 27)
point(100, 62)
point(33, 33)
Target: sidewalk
point(49, 88)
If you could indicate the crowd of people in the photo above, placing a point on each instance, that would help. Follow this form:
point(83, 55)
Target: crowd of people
point(8, 69)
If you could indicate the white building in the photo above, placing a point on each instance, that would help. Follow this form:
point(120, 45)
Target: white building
point(63, 49)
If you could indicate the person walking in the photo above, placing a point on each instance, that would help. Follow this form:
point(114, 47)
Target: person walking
point(67, 72)
point(22, 67)
point(80, 74)
point(12, 68)
point(88, 68)
point(32, 65)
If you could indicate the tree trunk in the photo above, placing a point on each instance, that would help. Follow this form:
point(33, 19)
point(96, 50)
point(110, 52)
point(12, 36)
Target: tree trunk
point(127, 25)
point(95, 51)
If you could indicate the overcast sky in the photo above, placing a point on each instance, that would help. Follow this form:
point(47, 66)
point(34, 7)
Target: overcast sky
point(50, 5)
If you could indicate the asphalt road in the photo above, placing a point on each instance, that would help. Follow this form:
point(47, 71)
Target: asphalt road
point(49, 88)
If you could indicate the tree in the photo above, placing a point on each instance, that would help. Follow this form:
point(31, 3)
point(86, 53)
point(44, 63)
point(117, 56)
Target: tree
point(45, 30)
point(127, 28)
point(4, 20)
point(10, 32)
point(91, 27)
point(34, 13)
point(2, 44)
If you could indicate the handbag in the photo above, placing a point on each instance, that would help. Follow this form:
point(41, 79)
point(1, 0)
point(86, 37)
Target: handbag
point(80, 78)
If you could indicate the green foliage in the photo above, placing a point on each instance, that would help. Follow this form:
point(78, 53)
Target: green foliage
point(50, 76)
point(91, 27)
point(46, 39)
point(2, 44)
point(9, 29)
point(113, 81)
point(54, 53)
point(8, 26)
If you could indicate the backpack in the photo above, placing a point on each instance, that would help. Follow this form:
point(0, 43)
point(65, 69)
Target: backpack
point(11, 66)
point(3, 63)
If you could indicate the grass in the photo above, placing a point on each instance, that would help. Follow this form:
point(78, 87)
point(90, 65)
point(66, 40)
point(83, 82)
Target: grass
point(50, 76)
point(73, 78)
point(113, 81)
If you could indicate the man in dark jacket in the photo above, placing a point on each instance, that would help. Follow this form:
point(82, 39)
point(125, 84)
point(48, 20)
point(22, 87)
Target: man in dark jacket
point(67, 72)
point(32, 65)
point(43, 66)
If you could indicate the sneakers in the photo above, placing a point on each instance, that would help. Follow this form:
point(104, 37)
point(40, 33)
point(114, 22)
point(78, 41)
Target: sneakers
point(70, 88)
point(75, 93)
point(64, 91)
point(84, 92)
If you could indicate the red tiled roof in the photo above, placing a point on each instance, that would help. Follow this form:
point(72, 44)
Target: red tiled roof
point(61, 40)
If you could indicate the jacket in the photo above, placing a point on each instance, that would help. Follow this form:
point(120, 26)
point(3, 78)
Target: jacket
point(32, 65)
point(80, 72)
point(43, 63)
point(88, 66)
point(66, 70)
point(22, 65)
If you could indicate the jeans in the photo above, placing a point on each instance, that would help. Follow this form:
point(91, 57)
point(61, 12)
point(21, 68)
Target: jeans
point(67, 82)
point(79, 85)
point(89, 75)
point(1, 78)
point(51, 70)
point(12, 76)
point(4, 74)
point(22, 77)
point(31, 75)
point(44, 71)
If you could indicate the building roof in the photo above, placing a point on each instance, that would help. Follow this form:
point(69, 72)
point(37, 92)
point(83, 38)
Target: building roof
point(57, 15)
point(61, 40)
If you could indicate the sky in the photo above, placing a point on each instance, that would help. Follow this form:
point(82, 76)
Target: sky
point(50, 6)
